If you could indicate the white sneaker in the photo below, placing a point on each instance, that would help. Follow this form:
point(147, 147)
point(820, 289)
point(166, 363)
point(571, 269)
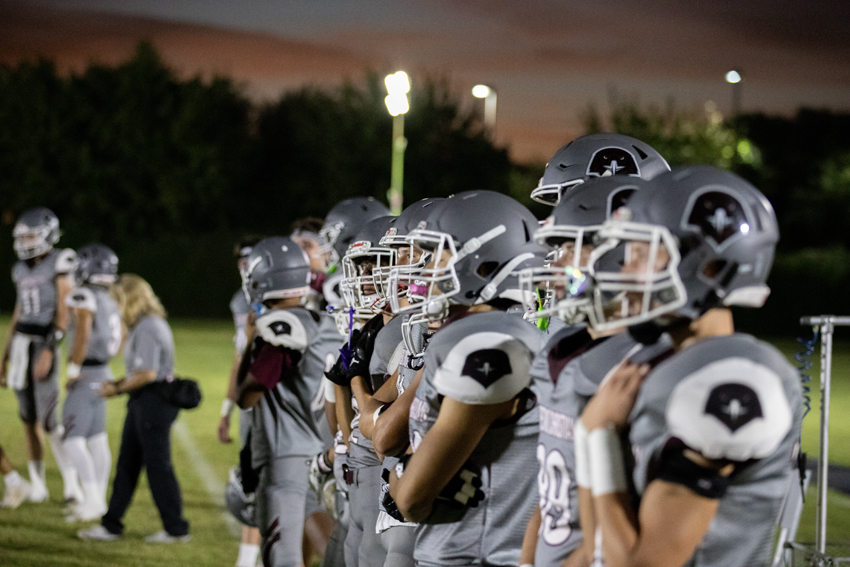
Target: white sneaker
point(163, 536)
point(98, 533)
point(39, 494)
point(16, 495)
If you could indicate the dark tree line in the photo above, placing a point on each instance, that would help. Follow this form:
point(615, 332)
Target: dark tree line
point(169, 171)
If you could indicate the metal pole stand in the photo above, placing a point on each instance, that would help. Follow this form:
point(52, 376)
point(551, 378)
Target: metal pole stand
point(825, 324)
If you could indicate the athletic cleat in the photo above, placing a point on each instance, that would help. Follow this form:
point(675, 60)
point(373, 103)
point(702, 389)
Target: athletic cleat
point(16, 495)
point(163, 536)
point(39, 494)
point(98, 533)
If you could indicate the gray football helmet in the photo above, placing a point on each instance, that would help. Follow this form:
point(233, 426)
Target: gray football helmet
point(342, 223)
point(478, 241)
point(96, 264)
point(365, 260)
point(277, 268)
point(571, 229)
point(694, 239)
point(35, 233)
point(406, 254)
point(594, 156)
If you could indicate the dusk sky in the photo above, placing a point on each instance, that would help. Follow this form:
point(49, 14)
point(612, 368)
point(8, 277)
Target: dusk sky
point(547, 59)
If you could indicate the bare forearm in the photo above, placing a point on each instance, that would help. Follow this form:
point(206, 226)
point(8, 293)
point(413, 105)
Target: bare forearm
point(344, 411)
point(391, 432)
point(618, 523)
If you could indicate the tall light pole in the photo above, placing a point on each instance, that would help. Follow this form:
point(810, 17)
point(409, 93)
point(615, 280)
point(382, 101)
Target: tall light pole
point(735, 78)
point(489, 96)
point(398, 85)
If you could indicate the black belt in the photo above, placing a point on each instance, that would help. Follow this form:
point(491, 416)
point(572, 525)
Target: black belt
point(33, 329)
point(93, 362)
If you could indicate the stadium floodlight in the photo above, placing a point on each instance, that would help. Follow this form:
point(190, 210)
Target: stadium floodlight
point(398, 85)
point(735, 78)
point(489, 96)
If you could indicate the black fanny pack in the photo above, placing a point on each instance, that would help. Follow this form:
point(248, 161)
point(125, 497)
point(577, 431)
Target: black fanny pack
point(181, 392)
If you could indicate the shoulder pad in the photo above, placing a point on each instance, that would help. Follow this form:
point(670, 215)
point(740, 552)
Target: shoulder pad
point(282, 327)
point(66, 261)
point(731, 409)
point(82, 298)
point(484, 368)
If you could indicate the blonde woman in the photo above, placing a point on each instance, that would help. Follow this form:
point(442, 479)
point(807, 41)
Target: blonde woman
point(145, 441)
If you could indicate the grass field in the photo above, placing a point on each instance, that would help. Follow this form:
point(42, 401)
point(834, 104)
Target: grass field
point(37, 534)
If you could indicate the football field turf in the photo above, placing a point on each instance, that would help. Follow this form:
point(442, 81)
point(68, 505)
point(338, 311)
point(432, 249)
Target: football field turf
point(36, 534)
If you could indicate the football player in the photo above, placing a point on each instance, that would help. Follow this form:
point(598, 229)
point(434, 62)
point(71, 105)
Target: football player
point(279, 376)
point(249, 545)
point(42, 280)
point(595, 156)
point(367, 371)
point(473, 425)
point(570, 367)
point(95, 334)
point(713, 428)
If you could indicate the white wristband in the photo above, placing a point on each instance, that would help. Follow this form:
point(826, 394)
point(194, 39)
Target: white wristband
point(227, 406)
point(73, 370)
point(583, 476)
point(607, 466)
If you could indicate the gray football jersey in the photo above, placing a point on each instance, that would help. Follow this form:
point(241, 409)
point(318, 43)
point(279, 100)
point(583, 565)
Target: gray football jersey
point(36, 286)
point(283, 421)
point(407, 369)
point(150, 346)
point(105, 336)
point(730, 397)
point(567, 373)
point(483, 358)
point(360, 450)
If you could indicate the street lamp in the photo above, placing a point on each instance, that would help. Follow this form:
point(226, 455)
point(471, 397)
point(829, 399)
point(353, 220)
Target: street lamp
point(735, 78)
point(489, 96)
point(398, 85)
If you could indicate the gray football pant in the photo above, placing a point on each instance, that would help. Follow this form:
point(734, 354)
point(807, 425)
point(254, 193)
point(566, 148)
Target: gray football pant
point(363, 546)
point(281, 499)
point(399, 542)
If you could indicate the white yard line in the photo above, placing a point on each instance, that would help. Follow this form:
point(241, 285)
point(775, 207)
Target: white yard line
point(213, 485)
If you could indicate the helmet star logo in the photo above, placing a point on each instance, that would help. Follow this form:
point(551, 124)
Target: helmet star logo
point(720, 220)
point(612, 168)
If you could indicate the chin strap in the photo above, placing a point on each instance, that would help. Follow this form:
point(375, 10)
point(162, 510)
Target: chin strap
point(490, 290)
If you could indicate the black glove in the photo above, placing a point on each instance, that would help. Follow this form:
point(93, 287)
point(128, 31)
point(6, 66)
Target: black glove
point(464, 489)
point(338, 374)
point(387, 501)
point(363, 348)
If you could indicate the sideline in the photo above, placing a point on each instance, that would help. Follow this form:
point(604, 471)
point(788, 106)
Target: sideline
point(213, 485)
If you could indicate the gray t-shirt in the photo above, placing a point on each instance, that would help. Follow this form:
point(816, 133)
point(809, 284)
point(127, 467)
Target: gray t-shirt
point(105, 337)
point(150, 346)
